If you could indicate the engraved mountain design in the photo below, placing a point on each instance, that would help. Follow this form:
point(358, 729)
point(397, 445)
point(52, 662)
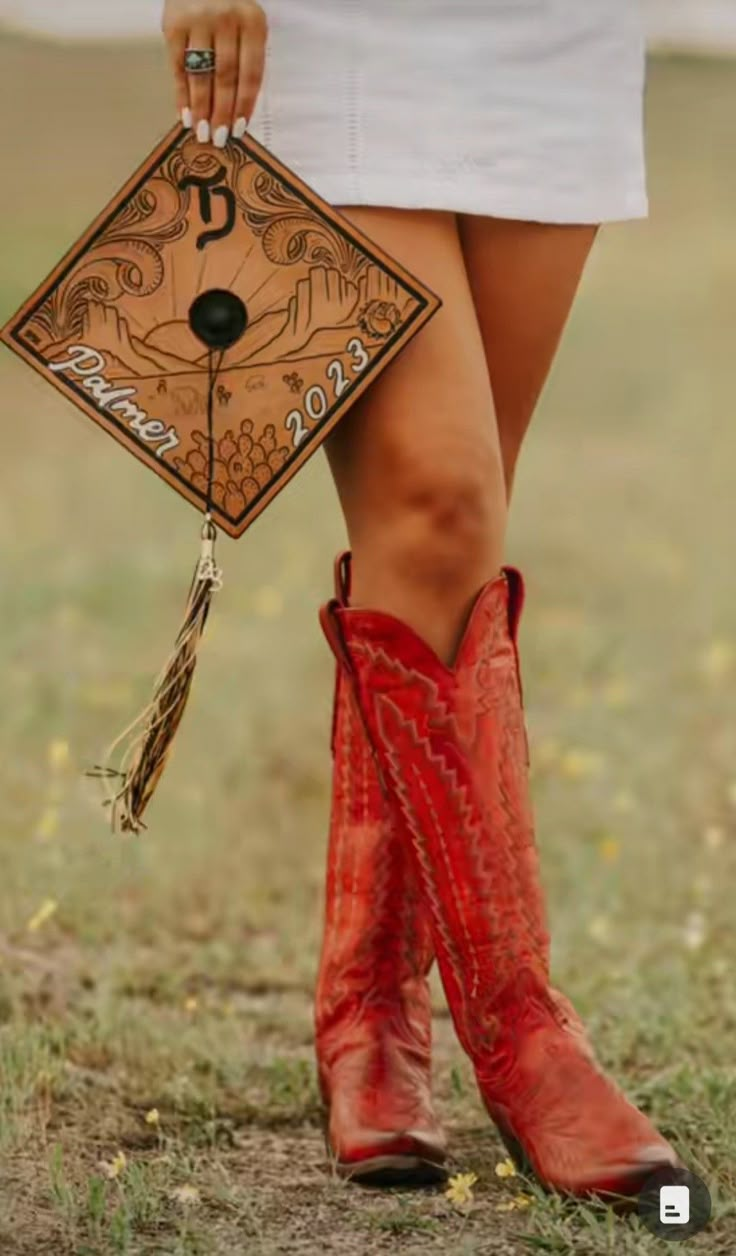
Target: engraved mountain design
point(323, 303)
point(326, 311)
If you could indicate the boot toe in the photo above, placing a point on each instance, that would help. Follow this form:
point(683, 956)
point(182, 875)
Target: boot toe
point(578, 1130)
point(383, 1157)
point(659, 1156)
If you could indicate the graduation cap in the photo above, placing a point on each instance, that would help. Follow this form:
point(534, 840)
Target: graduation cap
point(217, 319)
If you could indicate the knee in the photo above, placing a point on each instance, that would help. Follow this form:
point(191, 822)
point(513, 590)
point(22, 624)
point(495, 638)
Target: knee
point(442, 528)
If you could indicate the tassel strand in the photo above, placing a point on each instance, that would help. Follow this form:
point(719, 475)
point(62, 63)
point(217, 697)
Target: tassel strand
point(146, 753)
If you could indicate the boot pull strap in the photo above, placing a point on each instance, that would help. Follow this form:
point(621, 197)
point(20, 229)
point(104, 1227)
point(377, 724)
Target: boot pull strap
point(330, 621)
point(330, 628)
point(515, 582)
point(343, 575)
point(342, 579)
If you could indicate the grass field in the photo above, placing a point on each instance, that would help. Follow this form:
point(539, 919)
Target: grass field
point(157, 1087)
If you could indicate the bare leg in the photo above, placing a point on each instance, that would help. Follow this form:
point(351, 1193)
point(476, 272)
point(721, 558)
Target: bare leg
point(523, 276)
point(417, 462)
point(450, 746)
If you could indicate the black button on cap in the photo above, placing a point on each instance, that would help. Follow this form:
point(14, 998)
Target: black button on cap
point(218, 318)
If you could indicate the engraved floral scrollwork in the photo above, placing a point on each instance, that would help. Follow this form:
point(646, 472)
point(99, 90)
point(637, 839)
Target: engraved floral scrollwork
point(192, 159)
point(125, 260)
point(292, 234)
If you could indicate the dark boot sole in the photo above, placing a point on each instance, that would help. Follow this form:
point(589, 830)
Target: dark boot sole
point(393, 1171)
point(388, 1170)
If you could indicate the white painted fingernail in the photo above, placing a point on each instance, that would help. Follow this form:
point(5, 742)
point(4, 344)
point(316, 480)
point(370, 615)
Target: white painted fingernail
point(203, 131)
point(240, 128)
point(186, 118)
point(219, 139)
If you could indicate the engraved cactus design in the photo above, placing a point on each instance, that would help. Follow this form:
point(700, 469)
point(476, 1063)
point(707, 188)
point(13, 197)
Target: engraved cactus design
point(241, 468)
point(294, 381)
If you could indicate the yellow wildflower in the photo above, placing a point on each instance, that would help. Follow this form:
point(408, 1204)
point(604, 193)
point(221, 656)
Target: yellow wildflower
point(518, 1201)
point(58, 754)
point(191, 1003)
point(115, 1167)
point(152, 1117)
point(460, 1189)
point(48, 823)
point(44, 913)
point(578, 763)
point(609, 849)
point(506, 1168)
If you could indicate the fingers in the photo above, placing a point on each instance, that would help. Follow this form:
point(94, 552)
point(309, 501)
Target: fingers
point(201, 36)
point(227, 64)
point(176, 39)
point(221, 103)
point(252, 61)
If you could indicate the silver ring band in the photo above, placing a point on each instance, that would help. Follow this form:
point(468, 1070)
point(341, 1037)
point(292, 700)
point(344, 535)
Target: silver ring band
point(199, 60)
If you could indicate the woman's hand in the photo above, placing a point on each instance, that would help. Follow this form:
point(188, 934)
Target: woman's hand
point(221, 102)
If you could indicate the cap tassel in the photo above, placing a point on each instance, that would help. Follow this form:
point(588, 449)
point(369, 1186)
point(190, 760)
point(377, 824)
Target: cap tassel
point(218, 318)
point(147, 751)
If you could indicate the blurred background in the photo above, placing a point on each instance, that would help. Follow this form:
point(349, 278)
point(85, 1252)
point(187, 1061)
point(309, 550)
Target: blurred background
point(157, 1089)
point(686, 24)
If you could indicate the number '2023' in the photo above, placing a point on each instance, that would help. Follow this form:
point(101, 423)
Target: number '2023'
point(315, 398)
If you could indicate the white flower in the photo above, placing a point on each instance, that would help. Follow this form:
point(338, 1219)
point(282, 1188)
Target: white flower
point(713, 837)
point(693, 934)
point(599, 928)
point(186, 1195)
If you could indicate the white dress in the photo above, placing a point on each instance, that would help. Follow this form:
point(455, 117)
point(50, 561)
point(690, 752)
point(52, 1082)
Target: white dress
point(526, 109)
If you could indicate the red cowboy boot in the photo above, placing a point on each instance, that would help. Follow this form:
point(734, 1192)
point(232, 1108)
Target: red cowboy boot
point(373, 1015)
point(450, 743)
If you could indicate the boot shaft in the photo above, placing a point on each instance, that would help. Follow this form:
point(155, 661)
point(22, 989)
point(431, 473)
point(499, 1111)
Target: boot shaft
point(451, 746)
point(377, 948)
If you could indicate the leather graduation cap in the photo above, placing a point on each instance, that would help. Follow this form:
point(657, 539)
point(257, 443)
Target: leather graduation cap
point(217, 319)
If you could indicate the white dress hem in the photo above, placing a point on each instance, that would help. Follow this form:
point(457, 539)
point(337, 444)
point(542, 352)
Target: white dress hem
point(394, 190)
point(521, 109)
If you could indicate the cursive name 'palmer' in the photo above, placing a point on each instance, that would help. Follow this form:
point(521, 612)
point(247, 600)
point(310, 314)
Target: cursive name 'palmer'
point(89, 365)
